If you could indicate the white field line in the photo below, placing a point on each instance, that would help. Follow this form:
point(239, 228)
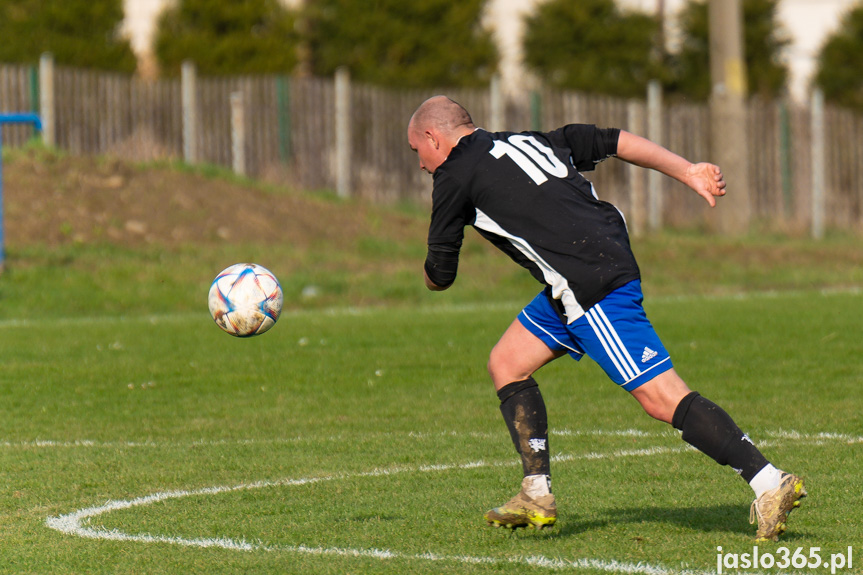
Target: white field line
point(77, 522)
point(49, 443)
point(768, 437)
point(431, 309)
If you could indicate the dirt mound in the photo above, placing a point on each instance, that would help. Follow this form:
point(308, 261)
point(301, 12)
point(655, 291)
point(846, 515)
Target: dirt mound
point(53, 200)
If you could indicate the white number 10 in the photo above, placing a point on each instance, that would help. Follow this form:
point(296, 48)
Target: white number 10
point(535, 158)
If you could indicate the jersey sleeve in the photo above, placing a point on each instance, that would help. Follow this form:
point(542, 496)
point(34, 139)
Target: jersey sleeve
point(446, 230)
point(589, 145)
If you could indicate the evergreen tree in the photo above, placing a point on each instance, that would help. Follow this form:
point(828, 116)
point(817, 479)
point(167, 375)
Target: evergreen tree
point(763, 41)
point(237, 37)
point(399, 43)
point(83, 33)
point(840, 69)
point(592, 46)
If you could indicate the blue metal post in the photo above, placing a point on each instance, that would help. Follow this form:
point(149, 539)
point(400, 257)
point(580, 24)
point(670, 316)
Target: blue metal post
point(2, 230)
point(11, 119)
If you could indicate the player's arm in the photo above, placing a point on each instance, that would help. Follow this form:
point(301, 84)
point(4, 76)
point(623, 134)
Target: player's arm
point(446, 231)
point(706, 179)
point(431, 285)
point(441, 266)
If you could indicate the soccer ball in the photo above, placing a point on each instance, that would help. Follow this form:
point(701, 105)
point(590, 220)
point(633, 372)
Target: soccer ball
point(245, 300)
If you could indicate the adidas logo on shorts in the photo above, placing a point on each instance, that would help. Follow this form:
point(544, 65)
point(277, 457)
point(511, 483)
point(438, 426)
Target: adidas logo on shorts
point(648, 355)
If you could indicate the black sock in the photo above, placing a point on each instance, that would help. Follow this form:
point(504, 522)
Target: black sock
point(708, 428)
point(523, 410)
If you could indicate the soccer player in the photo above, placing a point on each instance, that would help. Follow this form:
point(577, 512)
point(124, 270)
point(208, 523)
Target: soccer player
point(525, 193)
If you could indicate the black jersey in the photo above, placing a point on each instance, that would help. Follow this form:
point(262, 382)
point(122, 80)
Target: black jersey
point(524, 193)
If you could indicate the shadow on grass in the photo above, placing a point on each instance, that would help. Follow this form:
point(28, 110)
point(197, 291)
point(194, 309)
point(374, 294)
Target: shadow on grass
point(725, 518)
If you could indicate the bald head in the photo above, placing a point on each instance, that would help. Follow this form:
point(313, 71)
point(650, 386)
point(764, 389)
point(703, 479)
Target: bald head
point(435, 128)
point(442, 115)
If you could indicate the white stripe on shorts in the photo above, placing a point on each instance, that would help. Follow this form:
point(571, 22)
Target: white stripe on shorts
point(612, 344)
point(551, 335)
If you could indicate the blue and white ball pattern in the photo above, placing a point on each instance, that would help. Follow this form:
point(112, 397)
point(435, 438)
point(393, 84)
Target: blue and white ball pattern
point(245, 300)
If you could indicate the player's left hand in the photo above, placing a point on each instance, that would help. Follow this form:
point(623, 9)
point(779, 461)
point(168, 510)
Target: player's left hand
point(706, 179)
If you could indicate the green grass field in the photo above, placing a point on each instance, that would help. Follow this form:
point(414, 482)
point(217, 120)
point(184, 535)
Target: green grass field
point(369, 441)
point(362, 434)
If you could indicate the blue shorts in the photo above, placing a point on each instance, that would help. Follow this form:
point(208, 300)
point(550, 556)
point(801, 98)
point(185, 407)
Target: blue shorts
point(615, 333)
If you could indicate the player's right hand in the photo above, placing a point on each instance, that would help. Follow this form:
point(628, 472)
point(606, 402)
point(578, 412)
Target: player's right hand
point(707, 181)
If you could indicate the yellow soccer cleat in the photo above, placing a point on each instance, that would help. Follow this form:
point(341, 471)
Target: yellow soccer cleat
point(772, 508)
point(524, 511)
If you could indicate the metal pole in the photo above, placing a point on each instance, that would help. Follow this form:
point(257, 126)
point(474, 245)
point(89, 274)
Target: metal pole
point(2, 231)
point(11, 119)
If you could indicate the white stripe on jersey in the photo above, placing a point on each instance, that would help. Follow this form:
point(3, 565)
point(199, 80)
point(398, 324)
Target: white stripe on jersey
point(559, 286)
point(612, 344)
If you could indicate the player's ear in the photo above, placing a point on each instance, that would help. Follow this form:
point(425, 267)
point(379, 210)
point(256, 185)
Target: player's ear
point(433, 140)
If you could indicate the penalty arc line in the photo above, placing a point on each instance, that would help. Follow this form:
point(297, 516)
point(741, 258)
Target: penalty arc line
point(75, 523)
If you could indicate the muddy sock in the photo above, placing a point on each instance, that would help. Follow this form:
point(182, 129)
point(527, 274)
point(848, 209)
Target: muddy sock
point(709, 429)
point(536, 486)
point(765, 480)
point(523, 410)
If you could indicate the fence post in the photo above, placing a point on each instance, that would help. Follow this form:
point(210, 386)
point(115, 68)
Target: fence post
point(654, 133)
point(343, 132)
point(635, 123)
point(729, 137)
point(34, 94)
point(785, 158)
point(46, 99)
point(818, 163)
point(189, 90)
point(496, 107)
point(535, 110)
point(238, 133)
point(283, 108)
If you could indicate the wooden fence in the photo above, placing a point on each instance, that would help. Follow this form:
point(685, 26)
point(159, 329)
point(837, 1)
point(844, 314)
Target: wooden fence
point(315, 133)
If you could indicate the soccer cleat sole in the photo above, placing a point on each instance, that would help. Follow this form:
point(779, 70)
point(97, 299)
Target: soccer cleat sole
point(529, 522)
point(524, 511)
point(514, 526)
